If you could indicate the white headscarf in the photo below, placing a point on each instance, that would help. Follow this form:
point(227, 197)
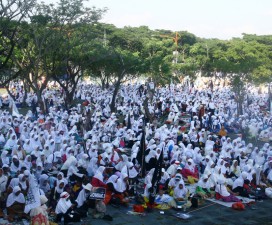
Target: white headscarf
point(42, 209)
point(44, 187)
point(15, 198)
point(221, 188)
point(236, 170)
point(81, 198)
point(113, 179)
point(122, 163)
point(190, 167)
point(204, 184)
point(27, 164)
point(63, 204)
point(68, 163)
point(130, 169)
point(239, 182)
point(4, 158)
point(57, 188)
point(99, 173)
point(21, 182)
point(92, 166)
point(151, 154)
point(178, 192)
point(121, 184)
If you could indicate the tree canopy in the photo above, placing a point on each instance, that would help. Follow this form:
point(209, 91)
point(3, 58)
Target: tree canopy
point(66, 41)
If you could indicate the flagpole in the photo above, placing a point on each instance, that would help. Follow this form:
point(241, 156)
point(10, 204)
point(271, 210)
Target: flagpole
point(143, 148)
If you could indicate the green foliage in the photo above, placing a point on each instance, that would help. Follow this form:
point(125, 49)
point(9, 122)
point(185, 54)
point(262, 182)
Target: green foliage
point(66, 38)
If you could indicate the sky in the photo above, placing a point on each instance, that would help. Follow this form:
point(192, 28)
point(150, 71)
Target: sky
point(221, 19)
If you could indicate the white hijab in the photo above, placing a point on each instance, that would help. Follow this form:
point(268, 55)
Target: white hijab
point(151, 154)
point(190, 167)
point(204, 184)
point(57, 188)
point(113, 179)
point(12, 198)
point(130, 169)
point(92, 166)
point(63, 204)
point(121, 184)
point(178, 192)
point(99, 173)
point(239, 182)
point(4, 158)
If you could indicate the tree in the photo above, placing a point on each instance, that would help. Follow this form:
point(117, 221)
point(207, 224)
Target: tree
point(158, 59)
point(120, 59)
point(54, 47)
point(12, 14)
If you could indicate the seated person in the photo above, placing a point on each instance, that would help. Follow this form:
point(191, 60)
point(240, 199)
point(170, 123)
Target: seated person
point(133, 177)
point(39, 214)
point(181, 195)
point(56, 192)
point(111, 182)
point(83, 201)
point(98, 178)
point(190, 171)
point(174, 183)
point(65, 209)
point(162, 198)
point(223, 193)
point(203, 187)
point(15, 204)
point(120, 189)
point(238, 185)
point(165, 178)
point(44, 184)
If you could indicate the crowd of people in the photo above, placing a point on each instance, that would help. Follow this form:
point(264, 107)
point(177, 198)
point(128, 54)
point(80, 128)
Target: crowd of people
point(68, 153)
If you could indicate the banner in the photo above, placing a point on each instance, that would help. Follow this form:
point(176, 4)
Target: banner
point(33, 195)
point(98, 193)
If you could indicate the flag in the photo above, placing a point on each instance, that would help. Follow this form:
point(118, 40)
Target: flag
point(129, 122)
point(155, 179)
point(157, 173)
point(141, 154)
point(33, 195)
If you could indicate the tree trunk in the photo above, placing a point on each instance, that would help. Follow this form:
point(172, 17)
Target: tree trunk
point(9, 92)
point(40, 101)
point(26, 89)
point(146, 109)
point(69, 97)
point(103, 84)
point(114, 95)
point(239, 105)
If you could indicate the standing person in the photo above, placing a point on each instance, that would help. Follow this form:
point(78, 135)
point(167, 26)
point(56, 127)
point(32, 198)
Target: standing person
point(39, 215)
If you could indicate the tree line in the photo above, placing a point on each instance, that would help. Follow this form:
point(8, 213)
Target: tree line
point(65, 41)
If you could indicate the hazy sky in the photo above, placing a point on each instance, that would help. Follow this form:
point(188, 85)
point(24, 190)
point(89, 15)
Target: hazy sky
point(205, 18)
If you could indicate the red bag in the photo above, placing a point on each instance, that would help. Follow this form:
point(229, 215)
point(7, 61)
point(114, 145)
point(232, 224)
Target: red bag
point(16, 129)
point(238, 206)
point(217, 196)
point(122, 144)
point(138, 208)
